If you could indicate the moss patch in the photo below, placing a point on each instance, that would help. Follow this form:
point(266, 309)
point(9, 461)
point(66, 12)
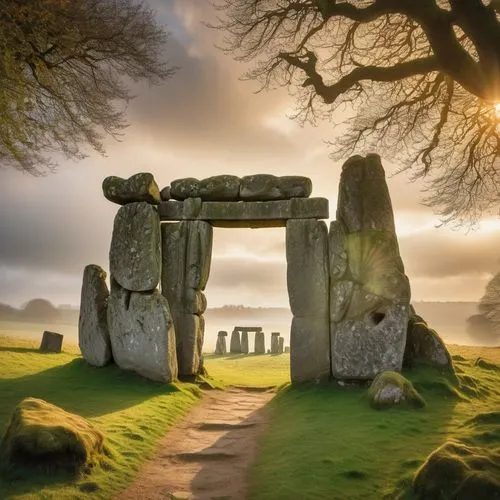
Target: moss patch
point(390, 388)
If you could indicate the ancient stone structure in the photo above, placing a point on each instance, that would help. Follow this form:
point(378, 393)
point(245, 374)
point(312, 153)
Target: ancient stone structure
point(369, 292)
point(348, 292)
point(51, 342)
point(287, 349)
point(220, 346)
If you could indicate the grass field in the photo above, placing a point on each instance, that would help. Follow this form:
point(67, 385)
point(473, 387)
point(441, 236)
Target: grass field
point(323, 442)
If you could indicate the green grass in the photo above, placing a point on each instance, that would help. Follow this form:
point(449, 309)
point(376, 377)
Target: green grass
point(257, 370)
point(132, 412)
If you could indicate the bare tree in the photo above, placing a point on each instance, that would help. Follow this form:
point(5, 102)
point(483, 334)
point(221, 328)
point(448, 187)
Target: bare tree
point(420, 79)
point(65, 67)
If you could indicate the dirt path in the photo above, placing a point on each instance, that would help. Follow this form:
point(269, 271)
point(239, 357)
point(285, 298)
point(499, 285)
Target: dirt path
point(207, 455)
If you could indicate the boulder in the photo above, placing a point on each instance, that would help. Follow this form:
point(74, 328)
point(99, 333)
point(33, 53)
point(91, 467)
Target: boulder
point(165, 194)
point(142, 333)
point(139, 187)
point(188, 187)
point(369, 291)
point(260, 187)
point(135, 253)
point(51, 342)
point(390, 389)
point(260, 343)
point(235, 345)
point(459, 471)
point(93, 333)
point(220, 188)
point(294, 186)
point(43, 436)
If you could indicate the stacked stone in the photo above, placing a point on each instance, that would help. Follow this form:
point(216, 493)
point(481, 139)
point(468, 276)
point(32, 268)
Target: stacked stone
point(307, 281)
point(260, 343)
point(139, 321)
point(369, 291)
point(275, 343)
point(260, 187)
point(235, 346)
point(186, 256)
point(220, 346)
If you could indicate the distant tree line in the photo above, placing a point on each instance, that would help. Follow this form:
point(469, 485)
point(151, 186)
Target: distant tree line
point(38, 311)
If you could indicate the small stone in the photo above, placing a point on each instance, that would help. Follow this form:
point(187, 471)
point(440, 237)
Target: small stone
point(165, 194)
point(51, 342)
point(390, 388)
point(139, 187)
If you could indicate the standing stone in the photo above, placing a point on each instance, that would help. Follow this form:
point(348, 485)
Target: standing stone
point(244, 342)
point(287, 350)
point(235, 346)
point(93, 333)
point(142, 333)
point(220, 346)
point(139, 187)
point(369, 291)
point(275, 342)
point(51, 342)
point(308, 281)
point(281, 345)
point(134, 257)
point(186, 255)
point(260, 343)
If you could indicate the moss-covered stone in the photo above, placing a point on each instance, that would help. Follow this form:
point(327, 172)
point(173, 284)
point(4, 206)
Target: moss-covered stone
point(458, 471)
point(139, 187)
point(44, 436)
point(391, 388)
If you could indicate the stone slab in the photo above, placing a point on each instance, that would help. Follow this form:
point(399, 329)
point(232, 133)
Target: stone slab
point(245, 213)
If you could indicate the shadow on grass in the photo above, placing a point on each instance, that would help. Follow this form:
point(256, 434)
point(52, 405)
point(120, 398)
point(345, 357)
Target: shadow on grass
point(21, 350)
point(235, 356)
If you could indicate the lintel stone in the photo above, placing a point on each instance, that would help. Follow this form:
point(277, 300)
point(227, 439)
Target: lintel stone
point(245, 213)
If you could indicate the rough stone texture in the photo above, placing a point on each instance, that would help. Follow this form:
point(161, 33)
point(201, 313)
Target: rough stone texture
point(424, 346)
point(275, 342)
point(165, 194)
point(139, 187)
point(265, 187)
point(245, 213)
point(369, 291)
point(220, 188)
point(134, 256)
point(186, 255)
point(142, 333)
point(390, 389)
point(244, 343)
point(46, 437)
point(260, 343)
point(281, 345)
point(235, 346)
point(220, 346)
point(51, 342)
point(93, 333)
point(294, 186)
point(188, 187)
point(307, 281)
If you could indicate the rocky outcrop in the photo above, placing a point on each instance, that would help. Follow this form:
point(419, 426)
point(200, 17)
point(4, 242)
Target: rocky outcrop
point(186, 256)
point(45, 437)
point(307, 281)
point(142, 333)
point(93, 333)
point(134, 256)
point(424, 346)
point(390, 389)
point(369, 291)
point(139, 187)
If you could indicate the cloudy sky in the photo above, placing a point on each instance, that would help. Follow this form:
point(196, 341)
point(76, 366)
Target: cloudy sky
point(204, 122)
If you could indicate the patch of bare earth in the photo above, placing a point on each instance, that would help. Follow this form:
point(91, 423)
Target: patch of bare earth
point(208, 454)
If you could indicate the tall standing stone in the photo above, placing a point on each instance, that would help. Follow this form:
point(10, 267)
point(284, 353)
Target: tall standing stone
point(244, 342)
point(260, 343)
point(307, 281)
point(369, 292)
point(186, 255)
point(93, 333)
point(275, 343)
point(281, 345)
point(220, 346)
point(135, 253)
point(142, 333)
point(235, 346)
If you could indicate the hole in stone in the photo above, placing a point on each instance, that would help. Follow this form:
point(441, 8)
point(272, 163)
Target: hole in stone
point(377, 317)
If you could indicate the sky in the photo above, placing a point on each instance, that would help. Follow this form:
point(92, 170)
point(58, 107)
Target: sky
point(205, 121)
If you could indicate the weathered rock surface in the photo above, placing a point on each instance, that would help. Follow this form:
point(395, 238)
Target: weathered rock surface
point(294, 186)
point(260, 343)
point(188, 187)
point(51, 342)
point(235, 346)
point(93, 333)
point(186, 256)
point(369, 291)
point(134, 256)
point(142, 333)
point(307, 280)
point(275, 342)
point(165, 194)
point(281, 344)
point(244, 343)
point(46, 437)
point(390, 389)
point(139, 187)
point(220, 188)
point(221, 346)
point(265, 187)
point(424, 346)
